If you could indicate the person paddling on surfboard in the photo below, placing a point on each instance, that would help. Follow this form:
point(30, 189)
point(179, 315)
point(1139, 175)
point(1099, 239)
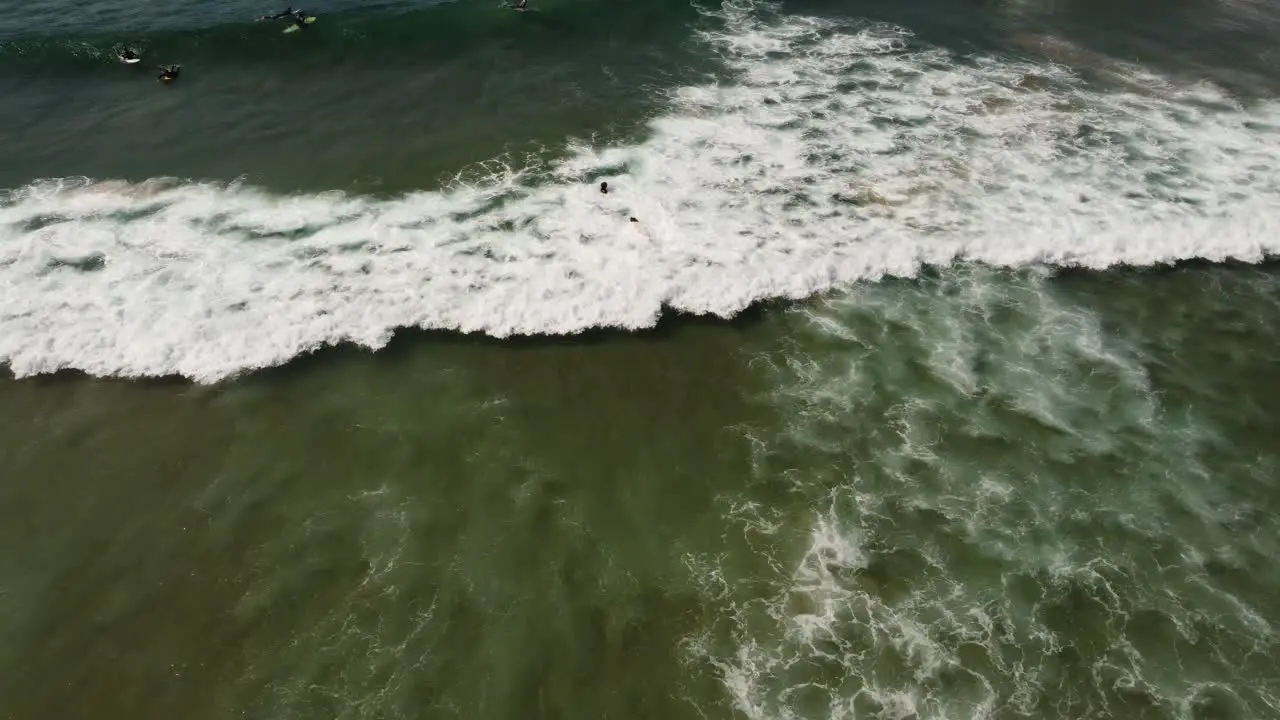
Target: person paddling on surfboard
point(299, 17)
point(287, 12)
point(168, 73)
point(127, 56)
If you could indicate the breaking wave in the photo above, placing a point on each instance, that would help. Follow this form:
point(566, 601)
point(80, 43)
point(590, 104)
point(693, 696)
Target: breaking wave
point(835, 153)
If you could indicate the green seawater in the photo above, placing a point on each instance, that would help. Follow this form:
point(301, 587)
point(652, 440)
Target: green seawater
point(973, 495)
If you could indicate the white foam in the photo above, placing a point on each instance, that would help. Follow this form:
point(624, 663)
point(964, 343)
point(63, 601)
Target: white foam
point(838, 155)
point(918, 574)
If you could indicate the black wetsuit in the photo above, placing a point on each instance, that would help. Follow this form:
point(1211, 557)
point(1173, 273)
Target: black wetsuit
point(168, 73)
point(299, 17)
point(128, 55)
point(522, 4)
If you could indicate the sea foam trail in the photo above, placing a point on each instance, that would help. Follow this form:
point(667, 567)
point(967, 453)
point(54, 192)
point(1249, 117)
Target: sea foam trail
point(837, 154)
point(993, 509)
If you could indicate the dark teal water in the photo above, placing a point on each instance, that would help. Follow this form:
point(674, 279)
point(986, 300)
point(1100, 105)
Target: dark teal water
point(382, 98)
point(398, 95)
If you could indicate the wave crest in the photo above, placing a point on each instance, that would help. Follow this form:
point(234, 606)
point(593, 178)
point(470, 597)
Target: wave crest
point(838, 154)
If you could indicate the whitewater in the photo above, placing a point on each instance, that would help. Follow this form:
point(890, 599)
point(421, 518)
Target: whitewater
point(827, 154)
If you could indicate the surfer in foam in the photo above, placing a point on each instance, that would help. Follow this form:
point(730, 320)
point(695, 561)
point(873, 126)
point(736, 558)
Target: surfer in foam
point(632, 221)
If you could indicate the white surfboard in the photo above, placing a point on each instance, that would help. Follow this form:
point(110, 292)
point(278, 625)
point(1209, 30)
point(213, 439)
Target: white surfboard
point(295, 27)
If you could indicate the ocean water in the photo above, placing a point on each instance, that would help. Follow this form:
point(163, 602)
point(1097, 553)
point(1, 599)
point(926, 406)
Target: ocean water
point(937, 376)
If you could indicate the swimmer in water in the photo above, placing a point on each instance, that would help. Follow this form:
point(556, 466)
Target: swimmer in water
point(299, 17)
point(604, 188)
point(168, 73)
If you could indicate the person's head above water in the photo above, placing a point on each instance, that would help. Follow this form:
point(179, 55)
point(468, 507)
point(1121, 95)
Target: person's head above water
point(604, 187)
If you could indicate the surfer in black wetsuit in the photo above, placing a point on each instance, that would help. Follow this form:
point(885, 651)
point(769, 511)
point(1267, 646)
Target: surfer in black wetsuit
point(287, 12)
point(522, 5)
point(168, 73)
point(128, 56)
point(299, 17)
